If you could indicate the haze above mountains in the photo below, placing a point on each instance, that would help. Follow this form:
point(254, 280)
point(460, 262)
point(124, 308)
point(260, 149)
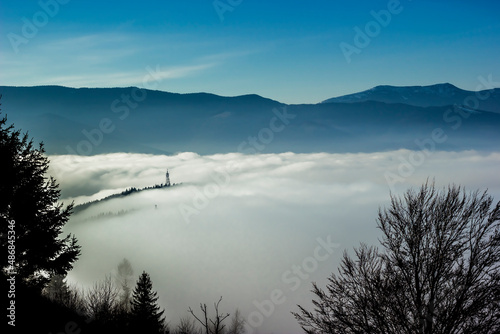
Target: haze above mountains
point(88, 121)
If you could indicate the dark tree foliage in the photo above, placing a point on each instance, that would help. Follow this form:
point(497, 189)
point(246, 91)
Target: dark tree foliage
point(29, 199)
point(30, 225)
point(146, 314)
point(439, 271)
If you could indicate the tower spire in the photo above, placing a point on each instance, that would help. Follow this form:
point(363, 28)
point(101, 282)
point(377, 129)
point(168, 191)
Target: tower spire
point(167, 179)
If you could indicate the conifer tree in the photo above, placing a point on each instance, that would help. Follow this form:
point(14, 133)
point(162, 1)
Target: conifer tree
point(57, 289)
point(124, 279)
point(31, 219)
point(146, 314)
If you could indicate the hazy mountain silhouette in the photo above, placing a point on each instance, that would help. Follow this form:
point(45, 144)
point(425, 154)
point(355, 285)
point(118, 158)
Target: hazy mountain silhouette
point(425, 96)
point(164, 122)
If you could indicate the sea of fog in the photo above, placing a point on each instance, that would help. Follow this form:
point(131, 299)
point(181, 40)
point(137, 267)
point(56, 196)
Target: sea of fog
point(254, 229)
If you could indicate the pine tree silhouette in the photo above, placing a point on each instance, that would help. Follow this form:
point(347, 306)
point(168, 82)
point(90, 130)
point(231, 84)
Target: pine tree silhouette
point(146, 314)
point(31, 223)
point(29, 200)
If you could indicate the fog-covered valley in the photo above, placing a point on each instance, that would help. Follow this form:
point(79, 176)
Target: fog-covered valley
point(243, 226)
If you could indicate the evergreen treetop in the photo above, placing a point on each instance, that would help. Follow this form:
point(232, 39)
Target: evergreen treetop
point(146, 313)
point(29, 210)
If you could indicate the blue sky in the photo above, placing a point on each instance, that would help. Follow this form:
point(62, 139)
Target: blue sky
point(288, 51)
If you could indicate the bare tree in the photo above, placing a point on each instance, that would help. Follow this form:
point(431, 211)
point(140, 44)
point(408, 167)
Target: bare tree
point(69, 296)
point(439, 271)
point(103, 301)
point(237, 324)
point(187, 326)
point(211, 326)
point(76, 299)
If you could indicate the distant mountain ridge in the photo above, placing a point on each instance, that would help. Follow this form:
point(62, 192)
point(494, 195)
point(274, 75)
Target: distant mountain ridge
point(89, 121)
point(425, 96)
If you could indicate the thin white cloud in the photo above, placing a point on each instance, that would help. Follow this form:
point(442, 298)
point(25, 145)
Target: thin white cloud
point(181, 71)
point(224, 56)
point(132, 78)
point(99, 60)
point(90, 41)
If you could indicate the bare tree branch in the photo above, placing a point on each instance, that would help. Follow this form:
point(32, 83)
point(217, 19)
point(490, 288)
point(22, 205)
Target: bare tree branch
point(211, 326)
point(439, 271)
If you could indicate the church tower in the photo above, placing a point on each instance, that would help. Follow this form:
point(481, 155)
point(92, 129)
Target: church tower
point(167, 179)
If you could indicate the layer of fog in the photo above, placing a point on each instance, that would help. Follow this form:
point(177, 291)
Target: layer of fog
point(236, 225)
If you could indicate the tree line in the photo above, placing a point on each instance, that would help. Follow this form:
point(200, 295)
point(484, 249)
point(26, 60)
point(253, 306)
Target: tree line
point(113, 305)
point(126, 192)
